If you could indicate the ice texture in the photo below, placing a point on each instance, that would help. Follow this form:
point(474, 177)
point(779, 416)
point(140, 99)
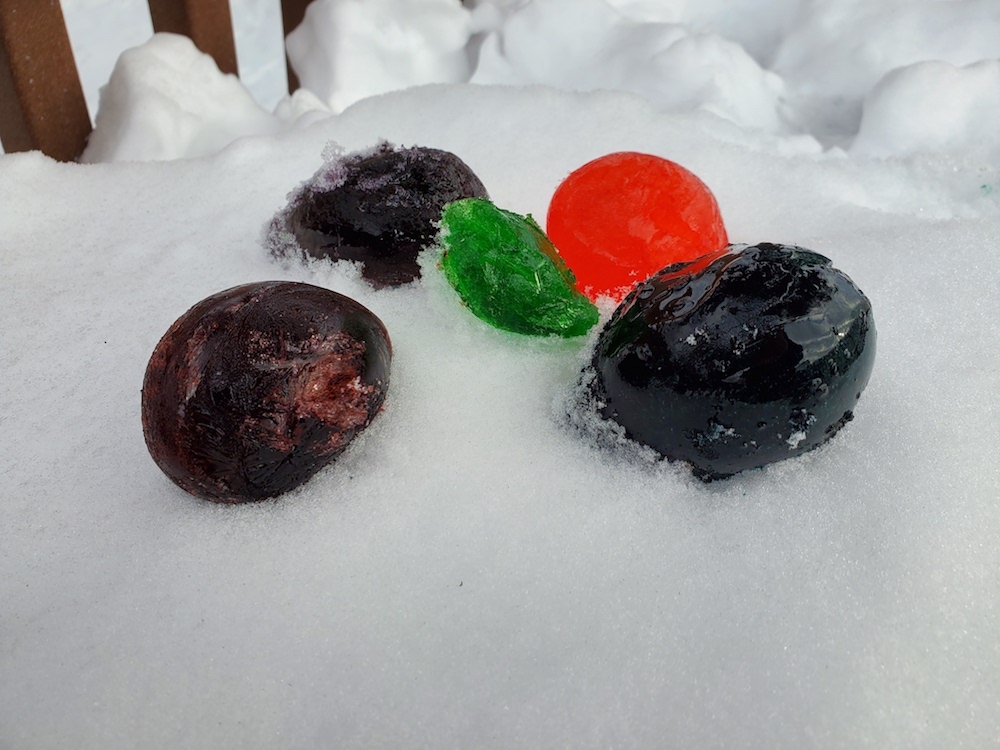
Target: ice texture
point(735, 361)
point(256, 388)
point(379, 206)
point(507, 272)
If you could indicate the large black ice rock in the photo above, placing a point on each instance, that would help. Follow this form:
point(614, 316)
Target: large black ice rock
point(737, 361)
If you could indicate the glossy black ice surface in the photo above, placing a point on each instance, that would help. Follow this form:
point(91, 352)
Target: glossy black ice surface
point(758, 356)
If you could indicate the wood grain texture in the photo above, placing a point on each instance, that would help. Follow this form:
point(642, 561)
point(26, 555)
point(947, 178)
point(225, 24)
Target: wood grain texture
point(292, 13)
point(41, 100)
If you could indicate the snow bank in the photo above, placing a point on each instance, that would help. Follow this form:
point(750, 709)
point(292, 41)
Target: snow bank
point(346, 50)
point(603, 49)
point(799, 71)
point(933, 106)
point(473, 572)
point(841, 48)
point(167, 100)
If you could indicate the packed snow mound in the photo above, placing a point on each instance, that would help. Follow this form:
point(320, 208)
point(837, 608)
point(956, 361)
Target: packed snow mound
point(841, 48)
point(606, 49)
point(346, 50)
point(933, 106)
point(657, 11)
point(802, 72)
point(167, 100)
point(584, 55)
point(708, 72)
point(759, 31)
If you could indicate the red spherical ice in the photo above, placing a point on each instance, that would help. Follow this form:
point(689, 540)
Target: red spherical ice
point(620, 218)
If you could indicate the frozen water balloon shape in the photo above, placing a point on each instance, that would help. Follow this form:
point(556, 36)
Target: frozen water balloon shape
point(622, 217)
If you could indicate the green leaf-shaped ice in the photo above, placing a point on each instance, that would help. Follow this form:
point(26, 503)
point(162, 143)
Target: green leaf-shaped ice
point(508, 273)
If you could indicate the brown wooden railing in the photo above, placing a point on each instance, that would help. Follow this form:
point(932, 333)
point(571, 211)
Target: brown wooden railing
point(41, 99)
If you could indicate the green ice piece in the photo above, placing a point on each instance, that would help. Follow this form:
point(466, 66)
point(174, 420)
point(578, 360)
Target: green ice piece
point(508, 273)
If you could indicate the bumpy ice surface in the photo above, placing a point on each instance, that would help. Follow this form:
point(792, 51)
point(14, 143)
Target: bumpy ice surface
point(378, 207)
point(746, 357)
point(256, 388)
point(506, 271)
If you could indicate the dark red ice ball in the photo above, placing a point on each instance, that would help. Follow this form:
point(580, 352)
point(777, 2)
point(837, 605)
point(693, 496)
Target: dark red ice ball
point(255, 389)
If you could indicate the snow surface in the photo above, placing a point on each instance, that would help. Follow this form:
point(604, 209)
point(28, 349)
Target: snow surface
point(473, 572)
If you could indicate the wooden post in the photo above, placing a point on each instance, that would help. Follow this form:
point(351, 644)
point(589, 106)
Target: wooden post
point(292, 13)
point(41, 100)
point(207, 23)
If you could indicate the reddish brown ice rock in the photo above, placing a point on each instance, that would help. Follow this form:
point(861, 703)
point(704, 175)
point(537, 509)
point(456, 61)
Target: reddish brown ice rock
point(256, 388)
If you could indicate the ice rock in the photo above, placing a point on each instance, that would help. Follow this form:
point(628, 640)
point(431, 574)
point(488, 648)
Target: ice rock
point(379, 207)
point(256, 388)
point(508, 273)
point(737, 360)
point(623, 216)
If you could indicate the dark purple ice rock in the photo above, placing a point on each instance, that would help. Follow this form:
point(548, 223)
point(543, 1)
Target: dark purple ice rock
point(255, 389)
point(379, 207)
point(756, 356)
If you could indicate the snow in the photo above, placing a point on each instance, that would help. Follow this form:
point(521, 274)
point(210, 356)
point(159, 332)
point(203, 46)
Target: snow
point(116, 25)
point(820, 75)
point(378, 46)
point(151, 110)
point(665, 64)
point(475, 571)
point(934, 106)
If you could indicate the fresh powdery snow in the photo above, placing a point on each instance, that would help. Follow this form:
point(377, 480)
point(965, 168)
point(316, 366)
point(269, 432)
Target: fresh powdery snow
point(476, 571)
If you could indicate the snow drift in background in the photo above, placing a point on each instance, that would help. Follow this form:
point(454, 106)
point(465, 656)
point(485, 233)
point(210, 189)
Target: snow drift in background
point(843, 47)
point(167, 100)
point(603, 49)
point(933, 106)
point(810, 71)
point(346, 50)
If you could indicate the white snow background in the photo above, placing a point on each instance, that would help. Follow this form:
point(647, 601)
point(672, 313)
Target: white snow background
point(472, 573)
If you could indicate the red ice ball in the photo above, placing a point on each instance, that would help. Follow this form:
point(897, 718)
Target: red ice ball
point(620, 218)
